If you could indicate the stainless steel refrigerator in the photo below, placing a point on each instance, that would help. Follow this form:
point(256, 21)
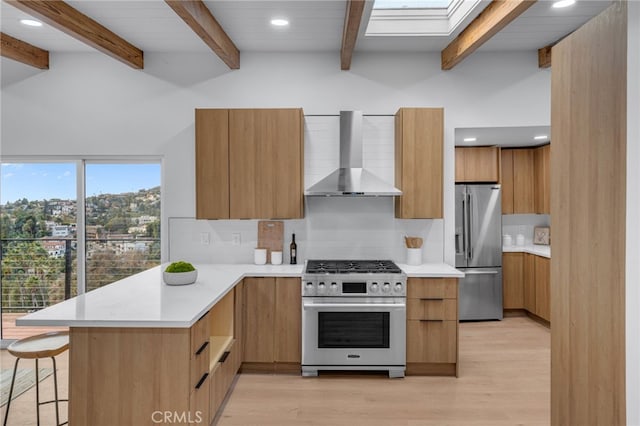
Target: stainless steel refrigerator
point(479, 251)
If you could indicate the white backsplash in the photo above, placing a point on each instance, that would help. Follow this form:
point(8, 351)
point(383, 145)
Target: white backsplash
point(514, 224)
point(333, 227)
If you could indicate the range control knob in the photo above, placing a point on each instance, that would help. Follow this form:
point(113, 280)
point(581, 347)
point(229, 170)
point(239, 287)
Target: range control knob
point(334, 286)
point(321, 286)
point(309, 284)
point(386, 287)
point(398, 287)
point(374, 287)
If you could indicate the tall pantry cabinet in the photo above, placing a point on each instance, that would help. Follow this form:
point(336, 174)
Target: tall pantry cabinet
point(249, 163)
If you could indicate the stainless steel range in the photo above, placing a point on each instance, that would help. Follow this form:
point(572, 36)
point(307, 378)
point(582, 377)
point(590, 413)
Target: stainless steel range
point(353, 316)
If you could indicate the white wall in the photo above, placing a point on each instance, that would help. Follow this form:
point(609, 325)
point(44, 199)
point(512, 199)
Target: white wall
point(633, 213)
point(514, 224)
point(88, 104)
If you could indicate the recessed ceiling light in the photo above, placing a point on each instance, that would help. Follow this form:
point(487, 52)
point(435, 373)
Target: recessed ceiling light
point(469, 139)
point(31, 22)
point(541, 137)
point(563, 3)
point(279, 22)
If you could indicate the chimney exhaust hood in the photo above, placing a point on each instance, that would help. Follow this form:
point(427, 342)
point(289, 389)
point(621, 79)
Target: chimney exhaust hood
point(351, 179)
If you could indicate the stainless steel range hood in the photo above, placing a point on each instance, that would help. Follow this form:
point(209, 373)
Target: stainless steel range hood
point(351, 179)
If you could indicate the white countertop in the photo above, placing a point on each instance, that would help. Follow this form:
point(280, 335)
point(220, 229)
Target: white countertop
point(143, 300)
point(539, 250)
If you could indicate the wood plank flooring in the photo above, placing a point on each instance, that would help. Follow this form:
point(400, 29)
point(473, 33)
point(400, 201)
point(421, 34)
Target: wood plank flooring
point(504, 380)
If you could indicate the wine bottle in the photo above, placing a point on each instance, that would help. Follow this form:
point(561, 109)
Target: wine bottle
point(293, 248)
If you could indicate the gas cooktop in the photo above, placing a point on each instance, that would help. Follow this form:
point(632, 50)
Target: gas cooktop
point(352, 267)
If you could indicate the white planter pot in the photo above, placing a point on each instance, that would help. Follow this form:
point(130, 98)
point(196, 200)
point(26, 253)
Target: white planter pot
point(180, 278)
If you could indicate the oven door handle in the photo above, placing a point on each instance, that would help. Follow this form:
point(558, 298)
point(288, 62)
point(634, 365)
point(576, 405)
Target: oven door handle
point(308, 305)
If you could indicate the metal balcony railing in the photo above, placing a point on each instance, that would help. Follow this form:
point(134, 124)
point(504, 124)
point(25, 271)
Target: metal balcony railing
point(37, 273)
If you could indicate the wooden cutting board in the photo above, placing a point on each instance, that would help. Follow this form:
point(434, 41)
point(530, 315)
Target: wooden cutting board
point(270, 236)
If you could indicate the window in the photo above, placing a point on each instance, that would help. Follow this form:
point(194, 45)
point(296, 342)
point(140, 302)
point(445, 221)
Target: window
point(40, 225)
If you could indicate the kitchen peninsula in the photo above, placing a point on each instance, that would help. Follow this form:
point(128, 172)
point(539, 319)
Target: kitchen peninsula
point(140, 348)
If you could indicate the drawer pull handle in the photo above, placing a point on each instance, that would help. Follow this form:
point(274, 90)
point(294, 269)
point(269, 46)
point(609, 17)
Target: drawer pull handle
point(203, 315)
point(439, 299)
point(431, 320)
point(202, 348)
point(202, 379)
point(224, 356)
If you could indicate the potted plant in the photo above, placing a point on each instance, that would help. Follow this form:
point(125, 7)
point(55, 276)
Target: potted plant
point(180, 273)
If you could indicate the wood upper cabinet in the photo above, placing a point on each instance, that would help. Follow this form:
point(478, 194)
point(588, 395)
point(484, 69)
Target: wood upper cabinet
point(542, 179)
point(419, 136)
point(513, 280)
point(249, 163)
point(477, 164)
point(525, 180)
point(542, 274)
point(272, 322)
point(265, 163)
point(212, 164)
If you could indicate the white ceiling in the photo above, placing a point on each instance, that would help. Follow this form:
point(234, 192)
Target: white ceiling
point(316, 25)
point(502, 136)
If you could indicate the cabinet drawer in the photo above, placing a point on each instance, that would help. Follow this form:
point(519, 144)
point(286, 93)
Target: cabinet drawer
point(199, 366)
point(432, 309)
point(431, 341)
point(199, 403)
point(432, 288)
point(200, 332)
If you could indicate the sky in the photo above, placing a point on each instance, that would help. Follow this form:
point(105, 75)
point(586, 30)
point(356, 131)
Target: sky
point(40, 181)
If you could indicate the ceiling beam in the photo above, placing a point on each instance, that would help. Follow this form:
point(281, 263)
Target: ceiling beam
point(24, 52)
point(544, 56)
point(200, 19)
point(352, 19)
point(491, 20)
point(65, 18)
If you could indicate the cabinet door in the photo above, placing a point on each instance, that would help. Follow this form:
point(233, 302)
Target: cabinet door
point(419, 162)
point(265, 163)
point(513, 280)
point(288, 318)
point(199, 403)
point(238, 319)
point(259, 295)
point(523, 181)
point(460, 175)
point(507, 180)
point(212, 164)
point(529, 283)
point(481, 164)
point(542, 181)
point(543, 309)
point(431, 341)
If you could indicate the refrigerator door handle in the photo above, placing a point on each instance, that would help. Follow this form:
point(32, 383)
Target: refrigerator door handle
point(469, 226)
point(462, 236)
point(481, 272)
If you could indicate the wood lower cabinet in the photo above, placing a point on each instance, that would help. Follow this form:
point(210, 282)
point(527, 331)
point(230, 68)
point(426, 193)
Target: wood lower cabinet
point(249, 163)
point(432, 326)
point(477, 164)
point(272, 324)
point(542, 273)
point(419, 142)
point(526, 283)
point(513, 280)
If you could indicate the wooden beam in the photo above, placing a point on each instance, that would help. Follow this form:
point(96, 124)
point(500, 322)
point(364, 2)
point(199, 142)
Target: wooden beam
point(544, 56)
point(491, 20)
point(24, 52)
point(65, 18)
point(352, 19)
point(199, 18)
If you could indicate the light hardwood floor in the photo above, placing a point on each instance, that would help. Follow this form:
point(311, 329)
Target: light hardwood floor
point(504, 380)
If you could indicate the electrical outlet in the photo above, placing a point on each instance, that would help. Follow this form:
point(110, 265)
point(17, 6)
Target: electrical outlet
point(204, 238)
point(235, 239)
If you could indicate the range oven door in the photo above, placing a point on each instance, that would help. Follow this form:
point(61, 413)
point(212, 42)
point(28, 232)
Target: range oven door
point(353, 331)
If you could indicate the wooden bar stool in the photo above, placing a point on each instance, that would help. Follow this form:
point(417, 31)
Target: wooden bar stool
point(46, 345)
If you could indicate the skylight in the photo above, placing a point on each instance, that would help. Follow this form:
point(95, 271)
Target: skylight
point(412, 4)
point(418, 17)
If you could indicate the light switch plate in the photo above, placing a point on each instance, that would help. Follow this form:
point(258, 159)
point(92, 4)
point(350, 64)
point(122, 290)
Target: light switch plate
point(235, 239)
point(204, 238)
